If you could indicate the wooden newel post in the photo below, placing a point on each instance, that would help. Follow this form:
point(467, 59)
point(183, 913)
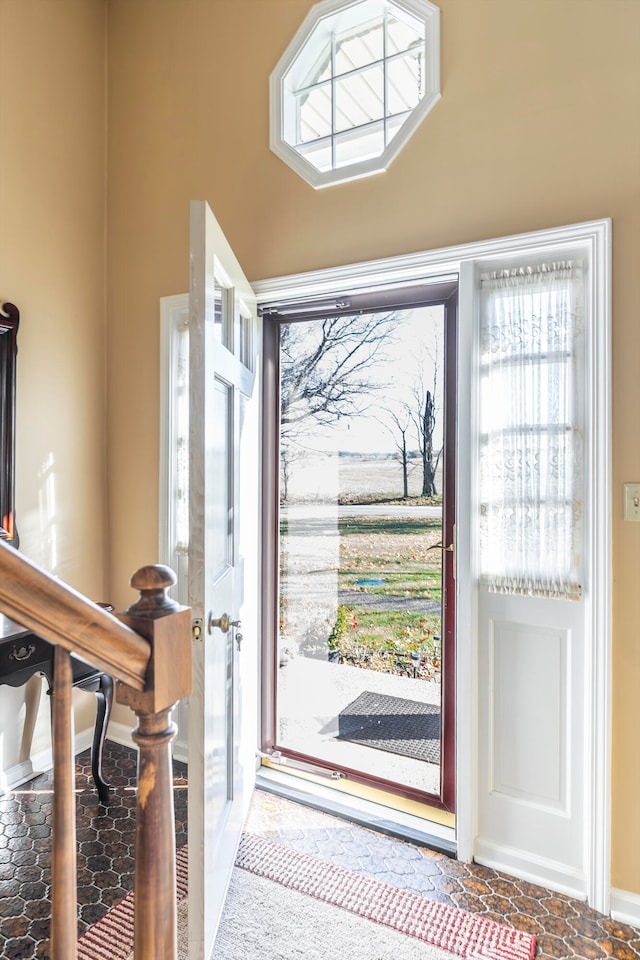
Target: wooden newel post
point(167, 627)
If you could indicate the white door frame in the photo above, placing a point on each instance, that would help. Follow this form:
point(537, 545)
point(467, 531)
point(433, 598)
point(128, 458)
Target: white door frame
point(593, 241)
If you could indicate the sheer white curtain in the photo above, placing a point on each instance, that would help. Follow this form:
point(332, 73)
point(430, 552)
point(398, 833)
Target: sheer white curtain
point(531, 425)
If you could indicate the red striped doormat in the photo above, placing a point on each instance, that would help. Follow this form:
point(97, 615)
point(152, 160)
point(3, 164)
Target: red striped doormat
point(463, 934)
point(460, 933)
point(112, 937)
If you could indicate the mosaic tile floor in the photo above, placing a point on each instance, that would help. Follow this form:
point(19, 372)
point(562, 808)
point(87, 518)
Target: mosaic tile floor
point(105, 850)
point(565, 928)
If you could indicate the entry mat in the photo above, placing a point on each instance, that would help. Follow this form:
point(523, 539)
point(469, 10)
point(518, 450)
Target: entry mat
point(405, 727)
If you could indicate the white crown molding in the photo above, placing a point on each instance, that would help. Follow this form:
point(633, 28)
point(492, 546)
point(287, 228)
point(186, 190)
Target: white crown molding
point(412, 267)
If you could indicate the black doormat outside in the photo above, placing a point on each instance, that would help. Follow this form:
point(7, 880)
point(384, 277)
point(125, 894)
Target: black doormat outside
point(405, 727)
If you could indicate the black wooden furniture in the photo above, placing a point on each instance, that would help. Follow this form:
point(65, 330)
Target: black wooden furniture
point(23, 655)
point(9, 321)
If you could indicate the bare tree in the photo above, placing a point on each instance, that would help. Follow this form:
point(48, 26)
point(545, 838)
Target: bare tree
point(401, 423)
point(290, 453)
point(426, 426)
point(424, 413)
point(324, 367)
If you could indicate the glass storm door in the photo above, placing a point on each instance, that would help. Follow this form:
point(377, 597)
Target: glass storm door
point(362, 671)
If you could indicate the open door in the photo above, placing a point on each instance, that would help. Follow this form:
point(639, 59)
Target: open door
point(359, 678)
point(224, 484)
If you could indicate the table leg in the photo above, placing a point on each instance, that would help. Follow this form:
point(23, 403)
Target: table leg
point(104, 702)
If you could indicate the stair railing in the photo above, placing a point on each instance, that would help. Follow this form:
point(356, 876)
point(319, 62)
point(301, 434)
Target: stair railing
point(148, 652)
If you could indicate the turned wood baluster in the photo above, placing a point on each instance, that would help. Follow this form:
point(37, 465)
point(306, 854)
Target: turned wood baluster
point(167, 626)
point(63, 866)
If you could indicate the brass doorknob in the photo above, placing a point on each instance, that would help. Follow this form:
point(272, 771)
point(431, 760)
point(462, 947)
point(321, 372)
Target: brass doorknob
point(439, 546)
point(223, 623)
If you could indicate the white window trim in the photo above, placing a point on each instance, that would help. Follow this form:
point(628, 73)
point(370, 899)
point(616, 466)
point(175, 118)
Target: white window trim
point(363, 168)
point(593, 241)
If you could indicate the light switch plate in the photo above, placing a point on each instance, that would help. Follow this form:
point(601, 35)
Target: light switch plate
point(632, 501)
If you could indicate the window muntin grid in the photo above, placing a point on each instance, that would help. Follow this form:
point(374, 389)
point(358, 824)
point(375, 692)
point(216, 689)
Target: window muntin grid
point(360, 90)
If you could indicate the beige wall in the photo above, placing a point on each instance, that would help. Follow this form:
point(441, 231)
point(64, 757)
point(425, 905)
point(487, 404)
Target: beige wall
point(52, 250)
point(538, 126)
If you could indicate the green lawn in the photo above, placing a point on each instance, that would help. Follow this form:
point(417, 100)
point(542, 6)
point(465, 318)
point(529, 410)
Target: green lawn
point(396, 552)
point(383, 640)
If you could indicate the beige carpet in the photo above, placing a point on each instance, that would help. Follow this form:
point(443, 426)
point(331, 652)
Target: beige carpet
point(263, 920)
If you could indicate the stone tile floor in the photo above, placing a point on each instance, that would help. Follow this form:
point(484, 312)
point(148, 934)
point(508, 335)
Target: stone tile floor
point(565, 928)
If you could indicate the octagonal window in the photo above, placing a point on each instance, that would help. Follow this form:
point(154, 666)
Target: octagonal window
point(353, 85)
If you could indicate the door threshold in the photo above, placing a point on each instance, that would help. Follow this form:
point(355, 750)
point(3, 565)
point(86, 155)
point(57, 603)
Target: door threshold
point(366, 813)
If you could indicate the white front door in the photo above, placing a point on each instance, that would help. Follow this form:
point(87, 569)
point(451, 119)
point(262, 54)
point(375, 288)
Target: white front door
point(224, 485)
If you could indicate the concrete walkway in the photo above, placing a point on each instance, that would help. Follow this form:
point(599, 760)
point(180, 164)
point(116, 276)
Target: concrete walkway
point(332, 511)
point(387, 602)
point(311, 695)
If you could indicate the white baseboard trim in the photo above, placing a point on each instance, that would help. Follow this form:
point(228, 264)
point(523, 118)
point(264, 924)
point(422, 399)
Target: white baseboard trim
point(625, 907)
point(519, 863)
point(13, 776)
point(44, 760)
point(121, 733)
point(180, 750)
point(40, 762)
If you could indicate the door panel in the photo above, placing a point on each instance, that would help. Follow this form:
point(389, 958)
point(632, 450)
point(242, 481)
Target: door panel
point(532, 739)
point(224, 482)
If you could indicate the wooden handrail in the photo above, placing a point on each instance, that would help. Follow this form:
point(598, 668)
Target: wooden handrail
point(152, 659)
point(56, 612)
